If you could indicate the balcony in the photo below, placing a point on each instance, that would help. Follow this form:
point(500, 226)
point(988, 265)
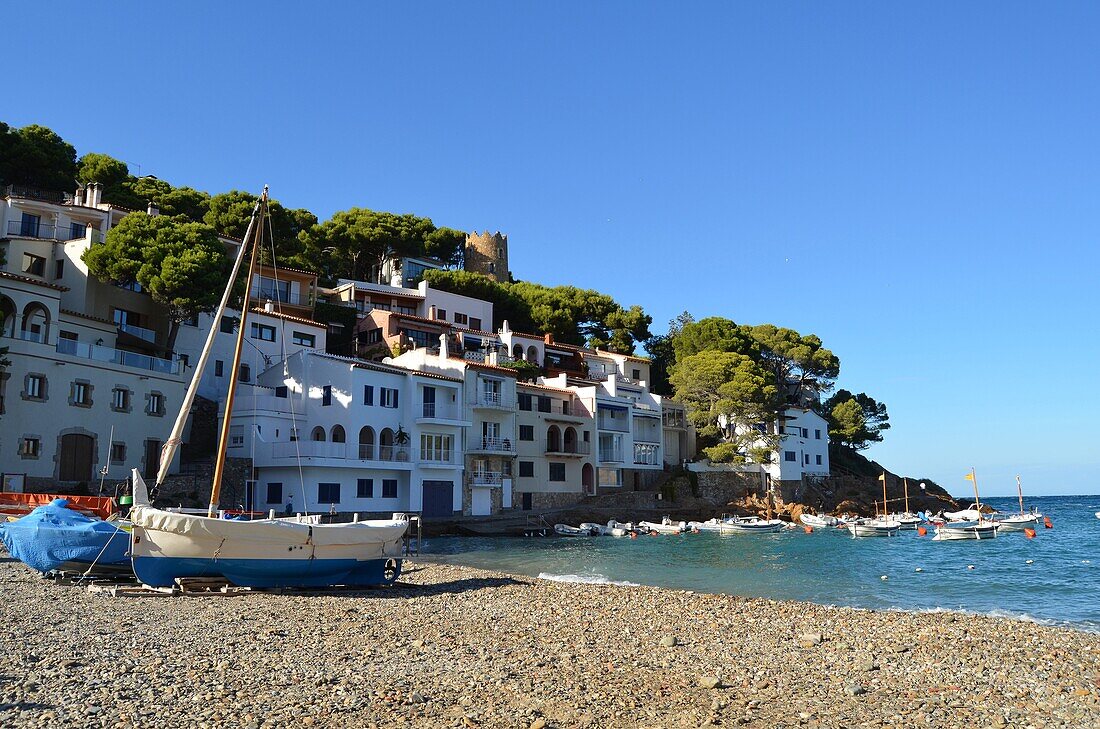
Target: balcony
point(493, 401)
point(476, 355)
point(435, 457)
point(646, 455)
point(616, 425)
point(611, 455)
point(147, 335)
point(572, 413)
point(261, 295)
point(438, 411)
point(486, 478)
point(347, 455)
point(45, 231)
point(97, 353)
point(674, 419)
point(393, 454)
point(497, 446)
point(569, 450)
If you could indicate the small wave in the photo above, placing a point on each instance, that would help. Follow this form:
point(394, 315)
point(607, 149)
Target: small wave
point(594, 579)
point(1086, 626)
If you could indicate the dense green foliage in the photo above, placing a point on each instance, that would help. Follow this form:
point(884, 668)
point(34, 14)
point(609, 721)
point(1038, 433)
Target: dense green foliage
point(572, 315)
point(855, 421)
point(36, 157)
point(181, 264)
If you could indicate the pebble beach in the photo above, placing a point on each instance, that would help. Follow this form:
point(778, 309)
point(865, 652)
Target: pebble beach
point(452, 646)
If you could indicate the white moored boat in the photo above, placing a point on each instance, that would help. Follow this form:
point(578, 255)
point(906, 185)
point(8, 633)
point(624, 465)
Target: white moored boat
point(666, 526)
point(965, 530)
point(877, 527)
point(819, 521)
point(753, 525)
point(1019, 522)
point(907, 520)
point(167, 546)
point(604, 530)
point(564, 530)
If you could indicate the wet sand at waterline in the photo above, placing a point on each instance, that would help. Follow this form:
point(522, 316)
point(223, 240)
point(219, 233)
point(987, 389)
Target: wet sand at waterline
point(455, 646)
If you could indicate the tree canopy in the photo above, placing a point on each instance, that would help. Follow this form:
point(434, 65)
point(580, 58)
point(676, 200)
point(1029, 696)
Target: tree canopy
point(36, 156)
point(855, 421)
point(181, 264)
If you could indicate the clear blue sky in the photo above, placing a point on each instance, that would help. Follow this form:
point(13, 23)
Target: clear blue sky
point(917, 185)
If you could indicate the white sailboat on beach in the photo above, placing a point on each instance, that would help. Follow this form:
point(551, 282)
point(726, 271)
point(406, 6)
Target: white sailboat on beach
point(167, 546)
point(979, 529)
point(880, 526)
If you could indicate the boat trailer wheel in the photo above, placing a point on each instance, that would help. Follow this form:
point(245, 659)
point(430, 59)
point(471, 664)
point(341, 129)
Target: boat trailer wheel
point(389, 572)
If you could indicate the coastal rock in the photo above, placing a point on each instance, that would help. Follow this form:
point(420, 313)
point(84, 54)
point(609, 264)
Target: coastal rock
point(669, 641)
point(853, 689)
point(710, 682)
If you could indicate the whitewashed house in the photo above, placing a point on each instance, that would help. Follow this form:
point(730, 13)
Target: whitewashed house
point(555, 463)
point(88, 359)
point(329, 433)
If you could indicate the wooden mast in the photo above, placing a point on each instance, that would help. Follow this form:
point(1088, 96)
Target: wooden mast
point(977, 501)
point(906, 482)
point(885, 515)
point(1020, 492)
point(223, 437)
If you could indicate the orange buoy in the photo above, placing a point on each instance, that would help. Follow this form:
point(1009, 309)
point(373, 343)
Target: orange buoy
point(808, 529)
point(1047, 523)
point(1029, 533)
point(633, 535)
point(923, 531)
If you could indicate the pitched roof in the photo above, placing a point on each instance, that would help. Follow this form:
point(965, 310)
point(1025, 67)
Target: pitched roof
point(36, 282)
point(82, 315)
point(507, 371)
point(624, 356)
point(288, 317)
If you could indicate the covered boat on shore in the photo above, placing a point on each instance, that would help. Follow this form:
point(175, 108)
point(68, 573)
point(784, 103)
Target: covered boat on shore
point(55, 538)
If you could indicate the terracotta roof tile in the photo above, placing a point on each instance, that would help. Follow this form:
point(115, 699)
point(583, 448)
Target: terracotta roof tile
point(288, 317)
point(36, 282)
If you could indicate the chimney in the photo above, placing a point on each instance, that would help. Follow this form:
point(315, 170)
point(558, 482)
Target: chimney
point(269, 306)
point(78, 198)
point(548, 338)
point(94, 195)
point(431, 311)
point(153, 211)
point(504, 328)
point(443, 354)
point(491, 358)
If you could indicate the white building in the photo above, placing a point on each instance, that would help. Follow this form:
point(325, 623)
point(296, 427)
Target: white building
point(329, 433)
point(87, 358)
point(803, 448)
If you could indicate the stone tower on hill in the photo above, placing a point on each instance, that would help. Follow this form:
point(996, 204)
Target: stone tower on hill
point(487, 253)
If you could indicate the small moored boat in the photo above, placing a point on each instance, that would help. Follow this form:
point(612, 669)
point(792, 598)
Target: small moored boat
point(878, 527)
point(754, 525)
point(819, 521)
point(564, 530)
point(666, 526)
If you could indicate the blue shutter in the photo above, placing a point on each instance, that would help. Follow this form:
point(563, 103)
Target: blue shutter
point(395, 394)
point(368, 394)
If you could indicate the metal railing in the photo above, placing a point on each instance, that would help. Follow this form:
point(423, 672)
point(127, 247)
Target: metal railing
point(260, 293)
point(646, 455)
point(393, 453)
point(48, 231)
point(611, 455)
point(491, 445)
point(618, 426)
point(147, 335)
point(486, 478)
point(98, 353)
point(34, 193)
point(493, 400)
point(579, 449)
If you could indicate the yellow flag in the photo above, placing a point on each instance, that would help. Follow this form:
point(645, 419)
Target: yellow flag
point(882, 478)
point(969, 477)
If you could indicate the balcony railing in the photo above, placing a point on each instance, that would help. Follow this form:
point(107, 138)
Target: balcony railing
point(570, 449)
point(97, 353)
point(282, 297)
point(435, 456)
point(646, 455)
point(674, 419)
point(491, 445)
point(647, 436)
point(393, 453)
point(486, 478)
point(618, 426)
point(33, 193)
point(47, 231)
point(140, 332)
point(611, 455)
point(439, 411)
point(476, 355)
point(498, 400)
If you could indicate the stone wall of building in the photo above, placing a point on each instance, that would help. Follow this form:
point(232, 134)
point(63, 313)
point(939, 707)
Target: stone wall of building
point(487, 253)
point(191, 488)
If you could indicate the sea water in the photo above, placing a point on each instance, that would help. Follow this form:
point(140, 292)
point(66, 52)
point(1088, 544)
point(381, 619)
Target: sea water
point(1053, 578)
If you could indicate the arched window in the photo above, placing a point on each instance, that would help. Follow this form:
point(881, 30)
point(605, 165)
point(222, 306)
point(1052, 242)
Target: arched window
point(517, 351)
point(36, 323)
point(533, 354)
point(8, 315)
point(569, 440)
point(318, 434)
point(338, 434)
point(366, 443)
point(385, 445)
point(553, 439)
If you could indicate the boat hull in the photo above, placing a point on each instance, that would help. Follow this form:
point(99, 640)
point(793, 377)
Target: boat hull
point(264, 553)
point(1017, 524)
point(53, 538)
point(818, 521)
point(760, 527)
point(874, 530)
point(953, 533)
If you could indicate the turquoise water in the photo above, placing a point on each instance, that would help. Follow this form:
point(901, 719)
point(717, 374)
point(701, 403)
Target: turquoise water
point(1061, 585)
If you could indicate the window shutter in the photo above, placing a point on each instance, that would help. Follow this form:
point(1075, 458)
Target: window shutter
point(368, 394)
point(395, 397)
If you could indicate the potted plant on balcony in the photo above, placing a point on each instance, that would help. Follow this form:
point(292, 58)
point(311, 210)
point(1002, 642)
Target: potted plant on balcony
point(401, 438)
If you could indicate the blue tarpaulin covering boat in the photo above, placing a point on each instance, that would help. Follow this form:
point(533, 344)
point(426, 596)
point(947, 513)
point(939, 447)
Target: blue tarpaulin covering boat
point(55, 538)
